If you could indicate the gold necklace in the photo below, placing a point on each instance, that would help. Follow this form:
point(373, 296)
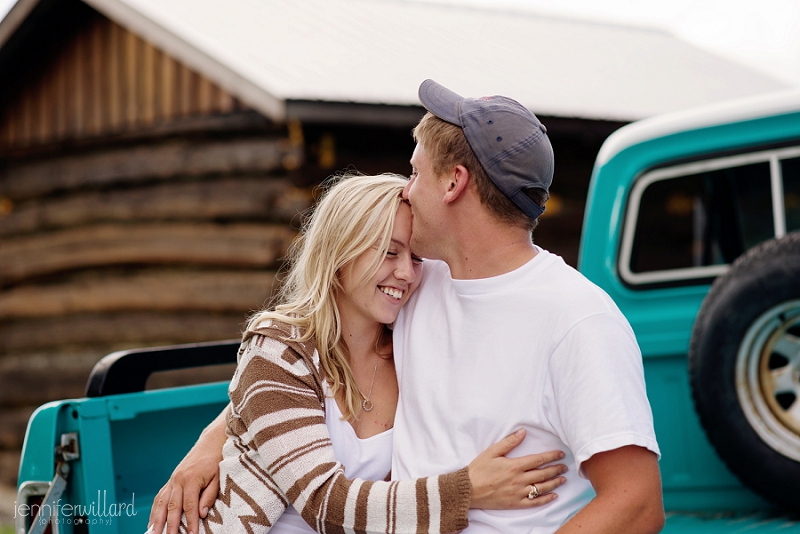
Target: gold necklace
point(367, 405)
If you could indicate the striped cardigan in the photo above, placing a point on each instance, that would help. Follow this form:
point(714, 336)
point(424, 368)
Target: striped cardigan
point(278, 454)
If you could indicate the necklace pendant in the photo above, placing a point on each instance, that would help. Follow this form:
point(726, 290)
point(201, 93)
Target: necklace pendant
point(367, 405)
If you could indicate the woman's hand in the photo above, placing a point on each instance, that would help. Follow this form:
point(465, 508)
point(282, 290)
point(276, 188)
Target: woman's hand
point(193, 486)
point(500, 483)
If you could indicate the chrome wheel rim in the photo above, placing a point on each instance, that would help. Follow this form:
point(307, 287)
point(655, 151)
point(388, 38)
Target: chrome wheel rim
point(768, 378)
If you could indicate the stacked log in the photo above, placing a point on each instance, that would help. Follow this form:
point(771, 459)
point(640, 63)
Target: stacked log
point(153, 243)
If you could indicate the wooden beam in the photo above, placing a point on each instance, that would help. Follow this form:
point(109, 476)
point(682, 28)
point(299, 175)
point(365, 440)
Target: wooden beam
point(246, 198)
point(240, 120)
point(58, 373)
point(13, 421)
point(131, 328)
point(19, 181)
point(168, 85)
point(157, 290)
point(233, 245)
point(56, 376)
point(9, 467)
point(147, 79)
point(62, 374)
point(186, 377)
point(114, 75)
point(97, 78)
point(130, 79)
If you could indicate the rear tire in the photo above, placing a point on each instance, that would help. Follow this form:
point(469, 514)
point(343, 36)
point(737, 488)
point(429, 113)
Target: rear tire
point(744, 365)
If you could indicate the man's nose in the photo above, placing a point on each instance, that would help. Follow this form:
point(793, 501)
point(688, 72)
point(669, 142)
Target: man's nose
point(406, 188)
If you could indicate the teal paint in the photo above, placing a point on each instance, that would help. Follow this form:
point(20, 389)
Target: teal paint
point(694, 479)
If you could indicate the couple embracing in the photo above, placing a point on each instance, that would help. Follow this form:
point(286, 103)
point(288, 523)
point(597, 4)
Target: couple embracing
point(478, 376)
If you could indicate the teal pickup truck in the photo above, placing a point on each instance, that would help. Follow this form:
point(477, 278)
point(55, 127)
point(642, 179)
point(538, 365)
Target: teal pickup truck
point(691, 226)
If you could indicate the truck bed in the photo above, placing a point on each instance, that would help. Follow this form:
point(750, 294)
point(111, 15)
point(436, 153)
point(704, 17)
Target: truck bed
point(130, 443)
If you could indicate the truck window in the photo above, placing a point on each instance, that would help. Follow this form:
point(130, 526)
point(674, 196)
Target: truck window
point(690, 221)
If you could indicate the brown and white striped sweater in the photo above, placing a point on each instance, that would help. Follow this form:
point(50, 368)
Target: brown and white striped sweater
point(279, 454)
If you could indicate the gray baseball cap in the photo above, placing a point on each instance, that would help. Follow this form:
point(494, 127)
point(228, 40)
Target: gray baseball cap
point(508, 140)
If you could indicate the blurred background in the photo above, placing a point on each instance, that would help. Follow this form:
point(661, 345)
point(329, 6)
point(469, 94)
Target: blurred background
point(156, 155)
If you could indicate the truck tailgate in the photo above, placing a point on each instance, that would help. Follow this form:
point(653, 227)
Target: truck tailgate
point(129, 444)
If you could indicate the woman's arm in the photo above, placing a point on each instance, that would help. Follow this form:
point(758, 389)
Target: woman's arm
point(497, 482)
point(495, 479)
point(277, 409)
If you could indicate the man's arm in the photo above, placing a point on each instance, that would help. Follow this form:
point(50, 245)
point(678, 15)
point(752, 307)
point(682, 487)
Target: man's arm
point(194, 485)
point(628, 486)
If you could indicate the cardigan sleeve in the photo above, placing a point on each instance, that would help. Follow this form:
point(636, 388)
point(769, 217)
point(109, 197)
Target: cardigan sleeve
point(275, 401)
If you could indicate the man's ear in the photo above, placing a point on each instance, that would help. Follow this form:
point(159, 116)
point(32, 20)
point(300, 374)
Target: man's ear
point(458, 180)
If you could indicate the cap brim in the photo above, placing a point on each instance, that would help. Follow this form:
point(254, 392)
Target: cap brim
point(440, 101)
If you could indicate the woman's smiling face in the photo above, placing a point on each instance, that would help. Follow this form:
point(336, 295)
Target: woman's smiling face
point(380, 298)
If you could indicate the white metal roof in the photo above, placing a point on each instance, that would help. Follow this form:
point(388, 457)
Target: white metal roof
point(268, 52)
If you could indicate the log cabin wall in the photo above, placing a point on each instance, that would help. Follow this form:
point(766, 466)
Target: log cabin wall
point(140, 205)
point(106, 80)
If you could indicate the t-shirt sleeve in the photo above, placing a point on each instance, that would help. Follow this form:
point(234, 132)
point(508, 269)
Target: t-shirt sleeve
point(599, 402)
point(275, 401)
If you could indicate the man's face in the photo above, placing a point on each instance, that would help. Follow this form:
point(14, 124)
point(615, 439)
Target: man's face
point(422, 192)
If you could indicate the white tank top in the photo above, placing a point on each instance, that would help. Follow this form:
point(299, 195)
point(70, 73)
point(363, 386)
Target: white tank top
point(368, 459)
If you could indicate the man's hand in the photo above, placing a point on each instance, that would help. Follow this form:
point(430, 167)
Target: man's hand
point(628, 486)
point(194, 485)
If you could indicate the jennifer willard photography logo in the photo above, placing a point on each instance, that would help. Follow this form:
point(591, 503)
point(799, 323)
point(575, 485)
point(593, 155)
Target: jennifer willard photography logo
point(98, 512)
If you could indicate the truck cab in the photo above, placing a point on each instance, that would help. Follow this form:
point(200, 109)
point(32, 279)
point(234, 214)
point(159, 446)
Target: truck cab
point(674, 201)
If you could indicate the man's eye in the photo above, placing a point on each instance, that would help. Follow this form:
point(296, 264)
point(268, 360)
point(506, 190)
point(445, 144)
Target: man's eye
point(417, 260)
point(390, 253)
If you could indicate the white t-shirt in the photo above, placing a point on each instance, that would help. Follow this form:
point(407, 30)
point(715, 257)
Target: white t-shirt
point(368, 459)
point(539, 348)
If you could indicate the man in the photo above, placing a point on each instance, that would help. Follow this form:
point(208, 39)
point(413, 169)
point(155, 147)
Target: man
point(502, 335)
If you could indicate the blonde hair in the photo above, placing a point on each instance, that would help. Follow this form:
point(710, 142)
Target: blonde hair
point(354, 214)
point(446, 146)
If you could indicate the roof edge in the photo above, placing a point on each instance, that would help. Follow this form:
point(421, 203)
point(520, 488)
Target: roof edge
point(229, 80)
point(14, 19)
point(356, 113)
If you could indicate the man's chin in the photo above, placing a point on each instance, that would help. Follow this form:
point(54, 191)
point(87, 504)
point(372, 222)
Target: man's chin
point(421, 249)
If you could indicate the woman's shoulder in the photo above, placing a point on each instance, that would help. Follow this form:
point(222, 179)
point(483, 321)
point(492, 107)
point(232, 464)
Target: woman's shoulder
point(274, 328)
point(275, 347)
point(281, 336)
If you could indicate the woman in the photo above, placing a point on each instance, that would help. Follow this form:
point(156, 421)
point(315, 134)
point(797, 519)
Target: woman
point(315, 392)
